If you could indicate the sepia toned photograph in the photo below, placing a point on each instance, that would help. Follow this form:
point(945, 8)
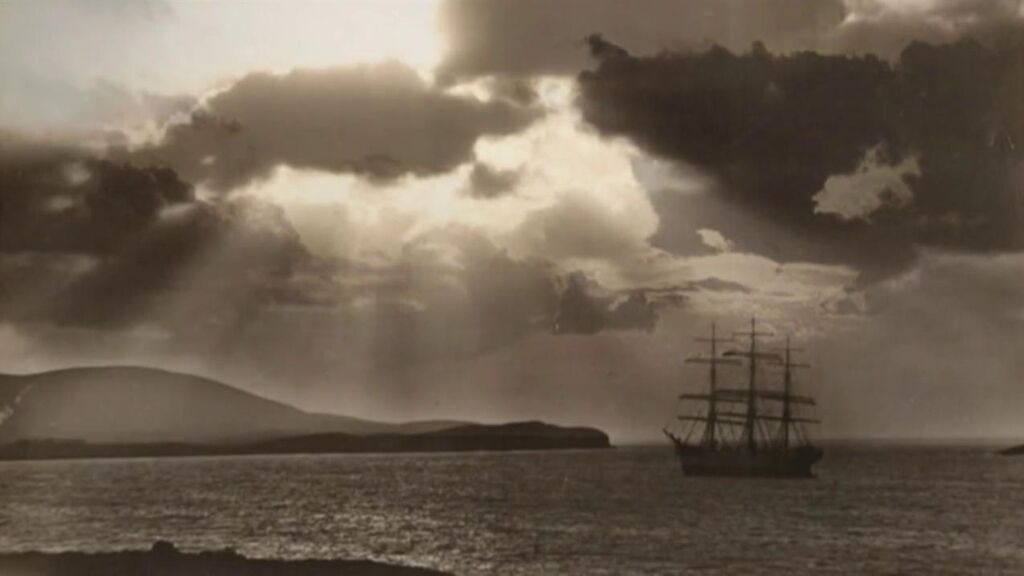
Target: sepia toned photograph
point(511, 287)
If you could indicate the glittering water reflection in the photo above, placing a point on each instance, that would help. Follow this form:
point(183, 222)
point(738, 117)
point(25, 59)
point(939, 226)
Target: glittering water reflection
point(874, 509)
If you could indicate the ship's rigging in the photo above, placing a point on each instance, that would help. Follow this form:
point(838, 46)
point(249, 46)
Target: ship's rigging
point(754, 419)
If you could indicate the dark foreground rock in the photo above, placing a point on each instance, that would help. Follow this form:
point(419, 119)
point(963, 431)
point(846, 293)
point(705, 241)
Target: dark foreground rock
point(165, 560)
point(1013, 451)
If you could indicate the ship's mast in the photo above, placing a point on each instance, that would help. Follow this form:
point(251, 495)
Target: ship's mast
point(786, 410)
point(750, 421)
point(748, 428)
point(711, 422)
point(787, 393)
point(709, 434)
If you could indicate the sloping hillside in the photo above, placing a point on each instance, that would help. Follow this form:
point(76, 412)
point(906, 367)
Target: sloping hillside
point(130, 405)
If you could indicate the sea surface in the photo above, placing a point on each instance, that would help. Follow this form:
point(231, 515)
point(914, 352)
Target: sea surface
point(873, 510)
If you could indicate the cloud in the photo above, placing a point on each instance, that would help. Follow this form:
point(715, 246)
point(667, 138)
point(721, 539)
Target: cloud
point(461, 295)
point(98, 113)
point(714, 239)
point(871, 187)
point(132, 250)
point(581, 312)
point(886, 27)
point(984, 289)
point(579, 226)
point(536, 37)
point(380, 121)
point(450, 295)
point(717, 285)
point(938, 353)
point(772, 130)
point(88, 242)
point(488, 182)
point(59, 198)
point(519, 91)
point(205, 269)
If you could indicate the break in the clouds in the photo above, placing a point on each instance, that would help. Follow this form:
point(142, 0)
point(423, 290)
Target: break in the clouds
point(872, 186)
point(491, 209)
point(91, 244)
point(379, 121)
point(779, 132)
point(101, 113)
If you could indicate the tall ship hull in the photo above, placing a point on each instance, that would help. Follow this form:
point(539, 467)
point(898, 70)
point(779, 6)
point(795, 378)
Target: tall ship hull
point(756, 430)
point(765, 463)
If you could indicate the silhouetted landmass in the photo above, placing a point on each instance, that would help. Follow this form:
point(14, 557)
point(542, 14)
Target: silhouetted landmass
point(1013, 451)
point(125, 412)
point(473, 437)
point(116, 405)
point(165, 560)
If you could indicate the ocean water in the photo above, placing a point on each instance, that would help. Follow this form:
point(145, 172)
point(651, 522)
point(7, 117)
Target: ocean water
point(873, 510)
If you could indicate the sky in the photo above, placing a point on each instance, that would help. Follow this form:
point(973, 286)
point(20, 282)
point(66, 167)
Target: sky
point(493, 211)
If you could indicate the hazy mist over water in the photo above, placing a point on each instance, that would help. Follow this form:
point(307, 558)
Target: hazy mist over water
point(874, 509)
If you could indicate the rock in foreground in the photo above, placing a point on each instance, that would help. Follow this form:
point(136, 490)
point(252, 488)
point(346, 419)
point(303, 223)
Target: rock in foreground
point(165, 560)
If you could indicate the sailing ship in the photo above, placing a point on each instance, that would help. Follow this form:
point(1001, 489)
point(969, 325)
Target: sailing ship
point(752, 431)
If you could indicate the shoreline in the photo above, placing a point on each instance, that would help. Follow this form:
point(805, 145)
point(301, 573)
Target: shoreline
point(164, 559)
point(470, 438)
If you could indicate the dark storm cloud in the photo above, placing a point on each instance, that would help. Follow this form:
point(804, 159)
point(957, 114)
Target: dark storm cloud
point(515, 90)
point(582, 312)
point(58, 198)
point(205, 268)
point(93, 245)
point(713, 284)
point(90, 246)
point(773, 129)
point(886, 27)
point(676, 296)
point(635, 313)
point(488, 182)
point(380, 121)
point(537, 37)
point(88, 242)
point(747, 229)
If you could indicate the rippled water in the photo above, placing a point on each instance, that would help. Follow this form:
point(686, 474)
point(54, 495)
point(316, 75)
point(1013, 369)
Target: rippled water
point(627, 511)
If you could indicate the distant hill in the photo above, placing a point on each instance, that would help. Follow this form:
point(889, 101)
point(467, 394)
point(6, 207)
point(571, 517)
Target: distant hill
point(473, 437)
point(117, 405)
point(124, 412)
point(1013, 451)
